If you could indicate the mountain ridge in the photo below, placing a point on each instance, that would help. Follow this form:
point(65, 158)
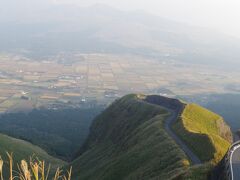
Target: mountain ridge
point(109, 30)
point(129, 141)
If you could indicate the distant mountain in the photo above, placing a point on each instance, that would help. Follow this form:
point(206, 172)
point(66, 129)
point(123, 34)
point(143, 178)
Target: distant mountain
point(130, 140)
point(46, 29)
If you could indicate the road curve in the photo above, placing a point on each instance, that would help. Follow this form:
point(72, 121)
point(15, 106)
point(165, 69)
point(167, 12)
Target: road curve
point(235, 162)
point(175, 108)
point(169, 121)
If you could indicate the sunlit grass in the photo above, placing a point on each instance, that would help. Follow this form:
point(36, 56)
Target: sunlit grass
point(33, 169)
point(204, 131)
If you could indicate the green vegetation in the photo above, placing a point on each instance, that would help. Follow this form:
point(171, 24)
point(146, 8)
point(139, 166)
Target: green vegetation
point(35, 169)
point(59, 132)
point(23, 150)
point(204, 132)
point(199, 172)
point(128, 141)
point(227, 105)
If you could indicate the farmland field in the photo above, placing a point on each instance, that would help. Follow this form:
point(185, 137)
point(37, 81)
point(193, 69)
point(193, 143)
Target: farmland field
point(101, 78)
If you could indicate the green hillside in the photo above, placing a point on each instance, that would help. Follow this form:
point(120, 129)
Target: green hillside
point(204, 132)
point(69, 133)
point(128, 141)
point(23, 150)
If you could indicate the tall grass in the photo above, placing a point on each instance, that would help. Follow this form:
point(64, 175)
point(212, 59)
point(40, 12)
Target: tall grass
point(202, 130)
point(34, 169)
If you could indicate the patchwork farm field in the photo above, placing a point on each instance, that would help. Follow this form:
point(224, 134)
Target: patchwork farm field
point(100, 78)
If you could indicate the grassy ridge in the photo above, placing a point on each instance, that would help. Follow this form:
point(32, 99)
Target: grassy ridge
point(23, 150)
point(204, 132)
point(128, 141)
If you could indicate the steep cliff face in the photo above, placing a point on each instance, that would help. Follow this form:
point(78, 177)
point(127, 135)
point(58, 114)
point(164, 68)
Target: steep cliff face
point(224, 130)
point(129, 141)
point(170, 103)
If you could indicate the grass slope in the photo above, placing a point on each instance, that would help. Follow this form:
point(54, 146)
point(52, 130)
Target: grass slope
point(23, 150)
point(59, 132)
point(204, 132)
point(128, 141)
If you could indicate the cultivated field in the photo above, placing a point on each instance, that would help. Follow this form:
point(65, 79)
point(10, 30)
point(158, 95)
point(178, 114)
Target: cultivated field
point(101, 78)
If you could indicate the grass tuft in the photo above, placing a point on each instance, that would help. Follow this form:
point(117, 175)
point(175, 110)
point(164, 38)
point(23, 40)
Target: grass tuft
point(34, 169)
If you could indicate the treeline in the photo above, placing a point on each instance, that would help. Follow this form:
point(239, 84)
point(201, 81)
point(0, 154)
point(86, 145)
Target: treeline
point(60, 132)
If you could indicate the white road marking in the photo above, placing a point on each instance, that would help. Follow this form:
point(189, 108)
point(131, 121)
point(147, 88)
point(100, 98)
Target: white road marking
point(231, 166)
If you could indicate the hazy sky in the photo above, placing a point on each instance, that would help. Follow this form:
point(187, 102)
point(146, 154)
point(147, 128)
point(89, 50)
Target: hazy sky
point(222, 15)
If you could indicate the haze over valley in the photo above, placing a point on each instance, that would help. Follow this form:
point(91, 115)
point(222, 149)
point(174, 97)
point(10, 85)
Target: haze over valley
point(66, 72)
point(95, 54)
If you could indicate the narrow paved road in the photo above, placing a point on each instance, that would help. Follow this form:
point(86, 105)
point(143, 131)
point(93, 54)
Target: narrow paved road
point(169, 121)
point(175, 110)
point(235, 163)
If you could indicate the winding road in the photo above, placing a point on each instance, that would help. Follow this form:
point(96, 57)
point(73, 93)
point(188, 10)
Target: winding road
point(175, 108)
point(169, 121)
point(235, 162)
point(232, 158)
